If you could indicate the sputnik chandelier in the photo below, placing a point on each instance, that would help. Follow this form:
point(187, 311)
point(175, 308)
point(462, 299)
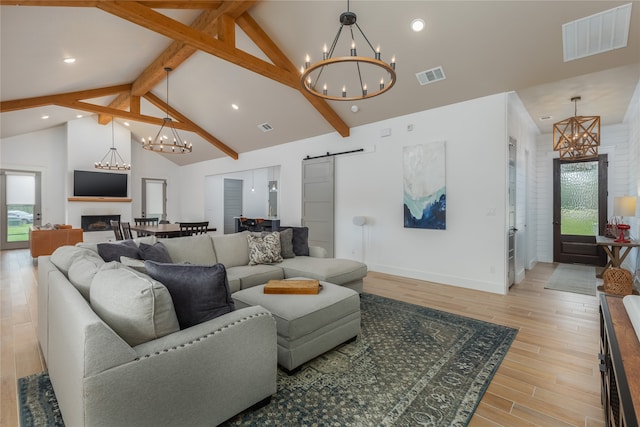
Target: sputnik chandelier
point(352, 77)
point(163, 144)
point(115, 162)
point(577, 137)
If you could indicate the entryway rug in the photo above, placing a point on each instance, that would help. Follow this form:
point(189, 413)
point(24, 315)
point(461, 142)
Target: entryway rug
point(576, 278)
point(410, 365)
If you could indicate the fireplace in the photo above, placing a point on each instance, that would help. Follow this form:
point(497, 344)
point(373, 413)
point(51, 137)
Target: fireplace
point(97, 222)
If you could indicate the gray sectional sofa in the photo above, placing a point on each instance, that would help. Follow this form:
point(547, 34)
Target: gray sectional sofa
point(142, 369)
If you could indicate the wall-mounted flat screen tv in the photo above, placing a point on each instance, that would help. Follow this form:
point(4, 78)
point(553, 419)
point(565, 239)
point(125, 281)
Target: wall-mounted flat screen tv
point(99, 184)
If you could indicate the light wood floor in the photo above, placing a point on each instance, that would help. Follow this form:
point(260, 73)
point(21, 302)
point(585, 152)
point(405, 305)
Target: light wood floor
point(549, 377)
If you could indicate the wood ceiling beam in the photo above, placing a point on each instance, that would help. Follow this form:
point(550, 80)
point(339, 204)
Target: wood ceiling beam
point(99, 109)
point(154, 4)
point(41, 101)
point(176, 54)
point(194, 127)
point(275, 54)
point(155, 21)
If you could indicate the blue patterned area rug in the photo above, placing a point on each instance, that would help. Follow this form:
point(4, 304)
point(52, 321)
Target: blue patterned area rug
point(410, 365)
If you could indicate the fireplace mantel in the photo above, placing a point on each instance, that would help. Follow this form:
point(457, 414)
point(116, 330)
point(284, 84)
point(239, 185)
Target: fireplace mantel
point(100, 199)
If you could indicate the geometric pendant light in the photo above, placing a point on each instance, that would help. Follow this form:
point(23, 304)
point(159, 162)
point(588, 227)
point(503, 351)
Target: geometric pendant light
point(577, 137)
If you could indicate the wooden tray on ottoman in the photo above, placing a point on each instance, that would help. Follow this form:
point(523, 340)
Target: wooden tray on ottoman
point(308, 286)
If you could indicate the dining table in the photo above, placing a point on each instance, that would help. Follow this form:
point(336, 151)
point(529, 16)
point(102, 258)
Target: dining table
point(162, 230)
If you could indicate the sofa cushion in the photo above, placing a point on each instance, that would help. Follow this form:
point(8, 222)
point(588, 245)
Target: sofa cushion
point(157, 252)
point(133, 263)
point(264, 250)
point(82, 271)
point(199, 292)
point(192, 249)
point(136, 307)
point(300, 240)
point(64, 256)
point(333, 270)
point(113, 251)
point(253, 275)
point(232, 249)
point(286, 242)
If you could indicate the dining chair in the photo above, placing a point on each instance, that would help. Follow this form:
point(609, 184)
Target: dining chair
point(192, 228)
point(115, 226)
point(145, 221)
point(126, 230)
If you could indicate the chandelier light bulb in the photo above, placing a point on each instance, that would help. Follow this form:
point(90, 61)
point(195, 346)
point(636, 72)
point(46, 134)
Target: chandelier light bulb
point(344, 91)
point(307, 62)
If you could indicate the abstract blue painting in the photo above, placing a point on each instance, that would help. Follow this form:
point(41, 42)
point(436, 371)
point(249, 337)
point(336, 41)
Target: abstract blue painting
point(425, 195)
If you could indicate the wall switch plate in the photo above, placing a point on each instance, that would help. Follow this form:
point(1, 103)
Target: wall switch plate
point(385, 132)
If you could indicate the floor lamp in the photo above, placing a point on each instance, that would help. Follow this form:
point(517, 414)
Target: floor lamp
point(624, 206)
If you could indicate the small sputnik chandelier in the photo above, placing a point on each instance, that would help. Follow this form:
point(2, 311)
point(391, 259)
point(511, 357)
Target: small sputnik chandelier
point(367, 76)
point(172, 144)
point(115, 160)
point(577, 137)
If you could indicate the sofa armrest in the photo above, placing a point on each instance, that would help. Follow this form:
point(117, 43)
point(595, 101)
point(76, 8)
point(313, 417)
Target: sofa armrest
point(317, 252)
point(201, 375)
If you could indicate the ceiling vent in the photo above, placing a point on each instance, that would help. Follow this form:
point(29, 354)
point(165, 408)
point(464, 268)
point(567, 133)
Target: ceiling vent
point(430, 76)
point(265, 127)
point(597, 33)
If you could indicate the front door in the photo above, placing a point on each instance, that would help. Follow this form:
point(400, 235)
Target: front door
point(20, 207)
point(579, 210)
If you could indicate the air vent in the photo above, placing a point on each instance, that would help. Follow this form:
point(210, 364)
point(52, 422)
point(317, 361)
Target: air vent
point(545, 118)
point(597, 33)
point(430, 76)
point(265, 127)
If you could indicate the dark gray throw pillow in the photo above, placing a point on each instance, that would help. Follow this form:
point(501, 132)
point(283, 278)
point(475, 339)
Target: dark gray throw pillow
point(157, 253)
point(113, 251)
point(300, 240)
point(199, 292)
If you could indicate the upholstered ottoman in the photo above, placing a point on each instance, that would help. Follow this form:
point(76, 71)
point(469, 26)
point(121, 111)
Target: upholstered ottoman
point(308, 325)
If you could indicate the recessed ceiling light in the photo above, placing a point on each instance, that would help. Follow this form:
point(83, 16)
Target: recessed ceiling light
point(44, 117)
point(127, 124)
point(234, 106)
point(78, 116)
point(417, 25)
point(69, 60)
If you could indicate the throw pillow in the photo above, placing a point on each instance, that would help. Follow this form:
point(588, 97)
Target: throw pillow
point(157, 252)
point(82, 271)
point(64, 256)
point(199, 292)
point(286, 243)
point(113, 251)
point(264, 250)
point(300, 240)
point(136, 264)
point(136, 307)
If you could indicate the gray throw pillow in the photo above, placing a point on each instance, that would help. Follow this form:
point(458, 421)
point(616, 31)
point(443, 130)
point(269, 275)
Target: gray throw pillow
point(300, 240)
point(199, 292)
point(264, 250)
point(286, 242)
point(113, 251)
point(157, 253)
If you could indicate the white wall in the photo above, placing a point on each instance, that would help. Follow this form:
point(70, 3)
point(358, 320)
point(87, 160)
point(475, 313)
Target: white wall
point(44, 151)
point(632, 119)
point(470, 253)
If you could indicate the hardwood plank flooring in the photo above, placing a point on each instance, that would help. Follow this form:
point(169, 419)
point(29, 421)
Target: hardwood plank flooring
point(549, 377)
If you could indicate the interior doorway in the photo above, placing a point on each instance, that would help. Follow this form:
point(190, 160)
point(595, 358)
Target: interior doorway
point(21, 207)
point(579, 210)
point(232, 203)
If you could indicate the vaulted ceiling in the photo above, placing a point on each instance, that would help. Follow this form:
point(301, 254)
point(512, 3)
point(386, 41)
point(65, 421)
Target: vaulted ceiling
point(248, 53)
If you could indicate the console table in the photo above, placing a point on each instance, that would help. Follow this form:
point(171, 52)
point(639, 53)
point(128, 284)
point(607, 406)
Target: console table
point(616, 251)
point(619, 364)
point(256, 224)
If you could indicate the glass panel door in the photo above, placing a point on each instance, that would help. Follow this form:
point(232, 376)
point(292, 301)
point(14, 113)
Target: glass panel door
point(20, 207)
point(154, 198)
point(580, 210)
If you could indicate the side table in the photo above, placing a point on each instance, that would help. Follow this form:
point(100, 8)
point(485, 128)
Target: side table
point(616, 251)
